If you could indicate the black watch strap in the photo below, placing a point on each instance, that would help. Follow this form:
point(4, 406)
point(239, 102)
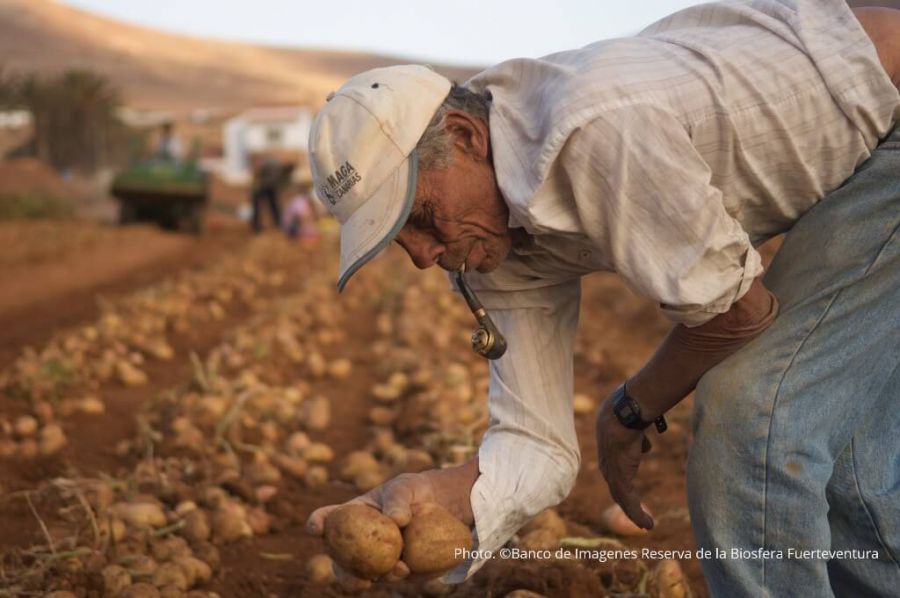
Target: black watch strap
point(628, 412)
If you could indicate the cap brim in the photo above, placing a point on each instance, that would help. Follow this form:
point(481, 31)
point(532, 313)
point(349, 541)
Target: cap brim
point(376, 222)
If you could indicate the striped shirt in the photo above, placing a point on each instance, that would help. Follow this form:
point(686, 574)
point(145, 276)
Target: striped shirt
point(665, 157)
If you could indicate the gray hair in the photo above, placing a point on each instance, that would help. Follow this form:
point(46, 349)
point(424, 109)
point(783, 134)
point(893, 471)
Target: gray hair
point(434, 147)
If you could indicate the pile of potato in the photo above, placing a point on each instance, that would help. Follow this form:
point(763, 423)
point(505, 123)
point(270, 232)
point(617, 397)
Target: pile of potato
point(213, 457)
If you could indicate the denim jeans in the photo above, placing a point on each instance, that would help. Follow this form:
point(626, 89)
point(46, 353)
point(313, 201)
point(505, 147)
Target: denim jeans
point(797, 435)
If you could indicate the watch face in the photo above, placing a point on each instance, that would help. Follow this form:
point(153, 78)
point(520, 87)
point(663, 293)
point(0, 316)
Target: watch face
point(628, 411)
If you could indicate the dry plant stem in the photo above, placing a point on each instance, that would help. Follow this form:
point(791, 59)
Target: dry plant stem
point(199, 372)
point(90, 513)
point(41, 522)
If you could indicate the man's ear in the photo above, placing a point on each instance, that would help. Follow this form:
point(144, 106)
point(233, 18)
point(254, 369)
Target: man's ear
point(471, 135)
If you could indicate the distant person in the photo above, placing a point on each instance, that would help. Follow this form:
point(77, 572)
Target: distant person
point(169, 147)
point(300, 218)
point(268, 180)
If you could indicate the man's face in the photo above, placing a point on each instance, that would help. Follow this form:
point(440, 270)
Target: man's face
point(458, 215)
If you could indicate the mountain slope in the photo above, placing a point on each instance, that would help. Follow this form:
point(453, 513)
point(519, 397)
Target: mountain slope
point(174, 72)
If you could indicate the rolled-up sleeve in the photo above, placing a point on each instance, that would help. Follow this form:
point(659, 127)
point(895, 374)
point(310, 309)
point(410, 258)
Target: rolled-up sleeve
point(643, 193)
point(529, 456)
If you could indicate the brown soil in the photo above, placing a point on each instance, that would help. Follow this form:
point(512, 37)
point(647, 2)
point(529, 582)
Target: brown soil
point(114, 263)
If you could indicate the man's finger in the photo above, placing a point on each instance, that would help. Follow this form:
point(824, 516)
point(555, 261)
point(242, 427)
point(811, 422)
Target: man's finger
point(348, 581)
point(315, 524)
point(396, 503)
point(631, 505)
point(400, 571)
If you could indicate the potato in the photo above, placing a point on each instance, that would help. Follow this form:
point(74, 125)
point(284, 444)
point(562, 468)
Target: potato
point(548, 520)
point(25, 426)
point(229, 523)
point(362, 540)
point(319, 569)
point(432, 540)
point(140, 514)
point(196, 526)
point(140, 590)
point(316, 476)
point(366, 480)
point(583, 404)
point(316, 413)
point(115, 579)
point(669, 580)
point(52, 440)
point(170, 574)
point(262, 473)
point(293, 466)
point(318, 452)
point(340, 368)
point(356, 463)
point(539, 539)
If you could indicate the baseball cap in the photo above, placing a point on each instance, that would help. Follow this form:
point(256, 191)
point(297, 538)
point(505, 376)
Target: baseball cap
point(362, 155)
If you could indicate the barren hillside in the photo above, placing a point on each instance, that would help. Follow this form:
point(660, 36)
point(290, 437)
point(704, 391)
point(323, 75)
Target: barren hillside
point(174, 72)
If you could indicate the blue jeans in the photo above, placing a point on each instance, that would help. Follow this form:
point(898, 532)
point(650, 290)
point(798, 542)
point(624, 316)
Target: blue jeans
point(797, 435)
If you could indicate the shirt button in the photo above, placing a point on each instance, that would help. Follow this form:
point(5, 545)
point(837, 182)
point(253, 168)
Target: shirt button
point(584, 255)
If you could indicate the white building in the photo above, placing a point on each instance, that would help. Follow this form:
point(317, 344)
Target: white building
point(282, 131)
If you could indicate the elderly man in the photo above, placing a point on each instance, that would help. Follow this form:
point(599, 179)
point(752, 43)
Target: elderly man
point(667, 158)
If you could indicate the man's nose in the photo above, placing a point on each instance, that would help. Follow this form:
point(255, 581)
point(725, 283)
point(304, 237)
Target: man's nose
point(424, 252)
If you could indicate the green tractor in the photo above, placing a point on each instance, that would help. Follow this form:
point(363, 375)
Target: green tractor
point(173, 194)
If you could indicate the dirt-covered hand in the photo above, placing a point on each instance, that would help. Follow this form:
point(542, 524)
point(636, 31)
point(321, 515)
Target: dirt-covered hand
point(619, 451)
point(399, 498)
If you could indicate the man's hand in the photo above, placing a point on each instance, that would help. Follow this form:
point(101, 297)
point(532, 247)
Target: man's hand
point(400, 498)
point(619, 451)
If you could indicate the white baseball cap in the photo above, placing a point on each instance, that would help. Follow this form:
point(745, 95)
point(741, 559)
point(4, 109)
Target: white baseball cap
point(361, 149)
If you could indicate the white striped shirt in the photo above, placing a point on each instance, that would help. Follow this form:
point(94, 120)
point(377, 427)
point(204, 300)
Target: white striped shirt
point(665, 157)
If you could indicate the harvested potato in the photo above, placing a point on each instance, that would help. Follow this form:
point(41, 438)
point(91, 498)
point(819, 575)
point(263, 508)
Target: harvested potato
point(363, 540)
point(115, 579)
point(293, 466)
point(583, 404)
point(170, 574)
point(548, 520)
point(539, 539)
point(52, 440)
point(262, 473)
point(366, 480)
point(25, 426)
point(316, 413)
point(140, 514)
point(315, 476)
point(318, 452)
point(356, 463)
point(669, 580)
point(196, 526)
point(320, 569)
point(229, 523)
point(339, 369)
point(433, 539)
point(140, 590)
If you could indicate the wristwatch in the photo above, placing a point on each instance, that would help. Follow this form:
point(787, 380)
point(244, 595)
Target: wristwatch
point(628, 412)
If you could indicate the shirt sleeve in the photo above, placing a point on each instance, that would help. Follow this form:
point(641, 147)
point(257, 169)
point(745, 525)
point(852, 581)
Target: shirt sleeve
point(529, 457)
point(643, 194)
